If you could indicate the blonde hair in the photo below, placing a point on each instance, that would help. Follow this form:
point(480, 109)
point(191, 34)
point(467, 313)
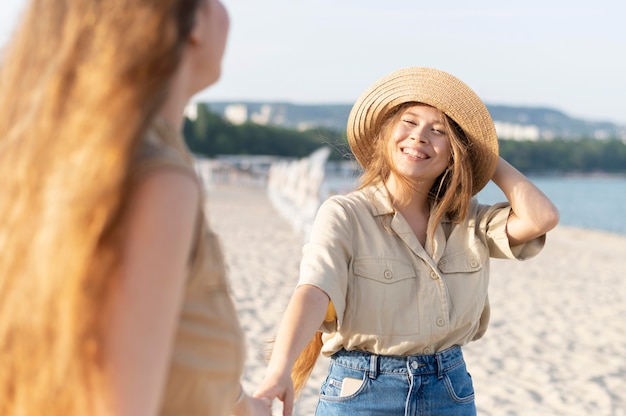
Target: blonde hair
point(79, 84)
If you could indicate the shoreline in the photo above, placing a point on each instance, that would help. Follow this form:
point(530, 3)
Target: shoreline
point(555, 344)
point(593, 204)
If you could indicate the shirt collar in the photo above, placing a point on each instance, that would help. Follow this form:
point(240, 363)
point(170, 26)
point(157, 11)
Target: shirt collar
point(379, 199)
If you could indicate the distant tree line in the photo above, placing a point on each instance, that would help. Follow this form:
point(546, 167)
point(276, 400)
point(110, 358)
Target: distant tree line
point(210, 135)
point(566, 156)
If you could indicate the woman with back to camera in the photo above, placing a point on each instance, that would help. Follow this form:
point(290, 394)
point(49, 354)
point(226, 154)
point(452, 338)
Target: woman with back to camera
point(113, 296)
point(393, 281)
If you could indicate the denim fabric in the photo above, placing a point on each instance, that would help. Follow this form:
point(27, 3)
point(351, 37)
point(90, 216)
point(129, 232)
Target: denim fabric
point(425, 385)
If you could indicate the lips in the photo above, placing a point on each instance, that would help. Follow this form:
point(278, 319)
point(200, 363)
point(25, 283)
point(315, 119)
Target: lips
point(415, 153)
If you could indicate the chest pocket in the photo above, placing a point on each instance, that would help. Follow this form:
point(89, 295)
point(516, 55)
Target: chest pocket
point(382, 299)
point(387, 271)
point(466, 262)
point(468, 259)
point(466, 274)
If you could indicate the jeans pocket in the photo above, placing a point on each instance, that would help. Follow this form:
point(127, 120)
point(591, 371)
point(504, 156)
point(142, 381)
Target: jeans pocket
point(342, 383)
point(459, 384)
point(331, 387)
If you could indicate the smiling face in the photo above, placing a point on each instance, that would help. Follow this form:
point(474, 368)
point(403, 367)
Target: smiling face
point(419, 146)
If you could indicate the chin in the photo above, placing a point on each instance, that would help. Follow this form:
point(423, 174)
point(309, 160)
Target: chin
point(211, 82)
point(209, 78)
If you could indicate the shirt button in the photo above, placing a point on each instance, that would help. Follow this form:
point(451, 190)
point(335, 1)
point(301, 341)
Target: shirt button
point(474, 263)
point(414, 364)
point(441, 321)
point(434, 276)
point(426, 350)
point(388, 274)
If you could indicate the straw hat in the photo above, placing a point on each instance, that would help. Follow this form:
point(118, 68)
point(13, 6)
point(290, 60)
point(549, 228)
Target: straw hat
point(437, 89)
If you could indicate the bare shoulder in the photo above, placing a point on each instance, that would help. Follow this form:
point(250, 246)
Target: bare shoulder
point(161, 216)
point(167, 192)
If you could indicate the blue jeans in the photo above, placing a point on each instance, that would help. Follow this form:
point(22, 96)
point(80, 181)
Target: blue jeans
point(372, 384)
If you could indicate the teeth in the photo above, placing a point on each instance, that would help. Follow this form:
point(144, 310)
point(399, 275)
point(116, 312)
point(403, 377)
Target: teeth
point(415, 153)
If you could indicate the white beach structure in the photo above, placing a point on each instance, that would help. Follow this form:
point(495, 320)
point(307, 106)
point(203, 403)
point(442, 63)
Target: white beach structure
point(294, 188)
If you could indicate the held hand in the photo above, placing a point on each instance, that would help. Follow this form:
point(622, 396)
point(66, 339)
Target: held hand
point(260, 406)
point(303, 317)
point(252, 406)
point(301, 320)
point(278, 386)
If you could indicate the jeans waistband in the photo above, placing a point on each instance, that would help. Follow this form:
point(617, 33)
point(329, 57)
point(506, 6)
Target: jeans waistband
point(374, 364)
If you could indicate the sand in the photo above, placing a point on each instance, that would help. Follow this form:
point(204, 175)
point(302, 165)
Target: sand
point(556, 344)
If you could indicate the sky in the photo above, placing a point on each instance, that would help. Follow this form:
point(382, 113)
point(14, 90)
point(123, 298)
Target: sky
point(566, 55)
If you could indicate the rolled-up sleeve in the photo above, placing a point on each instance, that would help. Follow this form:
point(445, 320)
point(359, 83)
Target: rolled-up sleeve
point(327, 255)
point(493, 220)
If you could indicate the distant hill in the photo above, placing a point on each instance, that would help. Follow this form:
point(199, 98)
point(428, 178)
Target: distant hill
point(517, 123)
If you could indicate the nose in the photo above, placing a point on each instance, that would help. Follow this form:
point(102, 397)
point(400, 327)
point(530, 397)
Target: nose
point(417, 133)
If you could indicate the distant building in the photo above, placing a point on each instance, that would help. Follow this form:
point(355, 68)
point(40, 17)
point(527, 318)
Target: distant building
point(236, 113)
point(512, 131)
point(263, 116)
point(191, 111)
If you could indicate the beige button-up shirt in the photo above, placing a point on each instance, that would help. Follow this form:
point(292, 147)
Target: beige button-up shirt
point(391, 295)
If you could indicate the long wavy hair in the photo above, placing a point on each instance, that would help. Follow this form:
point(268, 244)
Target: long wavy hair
point(79, 83)
point(450, 194)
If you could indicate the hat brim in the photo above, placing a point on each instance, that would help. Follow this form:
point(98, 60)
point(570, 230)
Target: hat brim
point(437, 89)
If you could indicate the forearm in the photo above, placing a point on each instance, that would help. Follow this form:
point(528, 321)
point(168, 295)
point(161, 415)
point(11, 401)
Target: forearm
point(138, 345)
point(303, 317)
point(533, 213)
point(304, 314)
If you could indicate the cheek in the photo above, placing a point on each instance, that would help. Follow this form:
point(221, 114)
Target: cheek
point(392, 145)
point(397, 135)
point(217, 28)
point(445, 149)
point(222, 23)
point(399, 132)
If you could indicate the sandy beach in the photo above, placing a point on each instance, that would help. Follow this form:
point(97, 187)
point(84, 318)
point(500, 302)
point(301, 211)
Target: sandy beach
point(556, 344)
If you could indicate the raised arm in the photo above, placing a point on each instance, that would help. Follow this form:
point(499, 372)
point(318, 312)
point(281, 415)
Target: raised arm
point(533, 214)
point(146, 297)
point(304, 315)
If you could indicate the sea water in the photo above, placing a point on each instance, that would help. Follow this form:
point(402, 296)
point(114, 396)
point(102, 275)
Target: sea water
point(585, 202)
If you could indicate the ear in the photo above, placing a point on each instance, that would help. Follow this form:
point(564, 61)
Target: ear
point(193, 39)
point(195, 35)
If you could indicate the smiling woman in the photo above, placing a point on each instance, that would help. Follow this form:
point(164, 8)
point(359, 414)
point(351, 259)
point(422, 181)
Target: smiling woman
point(393, 281)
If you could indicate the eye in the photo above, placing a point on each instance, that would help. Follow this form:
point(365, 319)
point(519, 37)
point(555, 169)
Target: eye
point(409, 121)
point(438, 131)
